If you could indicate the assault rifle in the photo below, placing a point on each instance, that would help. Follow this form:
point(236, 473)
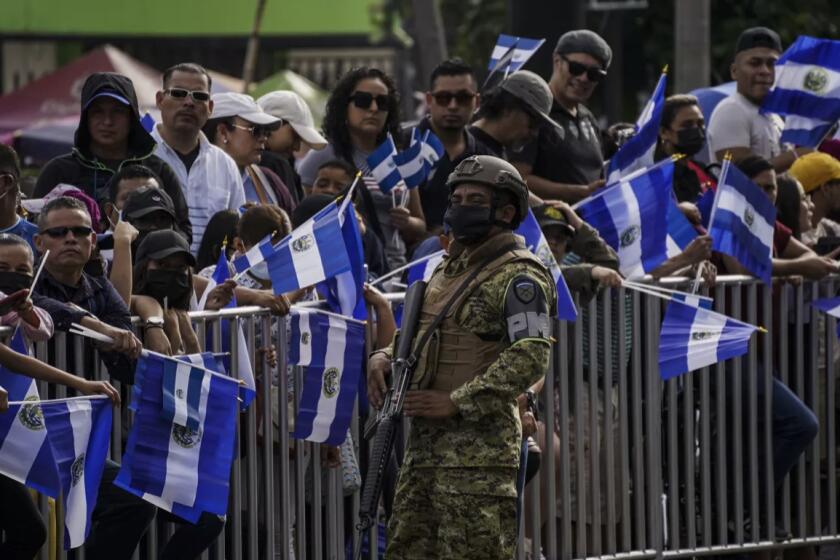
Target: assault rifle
point(384, 425)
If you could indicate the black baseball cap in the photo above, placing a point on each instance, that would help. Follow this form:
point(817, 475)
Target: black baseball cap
point(164, 243)
point(146, 200)
point(758, 37)
point(548, 216)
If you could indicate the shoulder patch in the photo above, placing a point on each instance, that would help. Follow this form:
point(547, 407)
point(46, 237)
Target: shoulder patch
point(526, 309)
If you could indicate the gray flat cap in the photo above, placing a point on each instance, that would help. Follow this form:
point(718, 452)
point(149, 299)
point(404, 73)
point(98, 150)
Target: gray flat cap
point(585, 41)
point(533, 91)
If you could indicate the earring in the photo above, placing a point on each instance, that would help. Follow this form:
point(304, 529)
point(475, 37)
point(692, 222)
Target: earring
point(224, 140)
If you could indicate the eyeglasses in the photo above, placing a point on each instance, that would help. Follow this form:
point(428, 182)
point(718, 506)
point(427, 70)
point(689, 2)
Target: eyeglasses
point(179, 93)
point(461, 97)
point(78, 231)
point(257, 130)
point(594, 73)
point(363, 100)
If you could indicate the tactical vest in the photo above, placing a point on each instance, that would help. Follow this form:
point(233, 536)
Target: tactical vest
point(453, 355)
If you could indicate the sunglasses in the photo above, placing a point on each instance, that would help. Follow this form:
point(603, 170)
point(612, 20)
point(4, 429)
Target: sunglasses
point(258, 131)
point(594, 73)
point(78, 231)
point(363, 100)
point(445, 97)
point(179, 93)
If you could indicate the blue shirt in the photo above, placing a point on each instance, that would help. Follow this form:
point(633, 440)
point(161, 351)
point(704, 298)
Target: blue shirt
point(24, 229)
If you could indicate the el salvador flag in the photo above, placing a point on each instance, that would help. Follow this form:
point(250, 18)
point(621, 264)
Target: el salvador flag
point(637, 152)
point(382, 166)
point(330, 350)
point(421, 270)
point(183, 392)
point(807, 90)
point(254, 256)
point(523, 49)
point(25, 453)
point(411, 164)
point(705, 204)
point(694, 337)
point(432, 148)
point(536, 243)
point(243, 360)
point(345, 292)
point(79, 431)
point(631, 216)
point(680, 230)
point(185, 471)
point(742, 222)
point(312, 253)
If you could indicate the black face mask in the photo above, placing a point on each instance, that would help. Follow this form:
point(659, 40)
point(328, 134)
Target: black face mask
point(470, 224)
point(690, 140)
point(11, 281)
point(172, 284)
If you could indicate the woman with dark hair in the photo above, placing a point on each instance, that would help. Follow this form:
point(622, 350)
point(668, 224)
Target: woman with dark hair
point(221, 226)
point(682, 130)
point(361, 111)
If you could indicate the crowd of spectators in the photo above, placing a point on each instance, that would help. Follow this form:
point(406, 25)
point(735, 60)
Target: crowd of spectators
point(134, 222)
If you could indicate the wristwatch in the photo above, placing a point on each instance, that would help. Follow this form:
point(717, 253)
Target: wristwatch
point(153, 323)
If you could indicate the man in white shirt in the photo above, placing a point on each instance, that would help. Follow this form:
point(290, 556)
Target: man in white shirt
point(737, 126)
point(209, 177)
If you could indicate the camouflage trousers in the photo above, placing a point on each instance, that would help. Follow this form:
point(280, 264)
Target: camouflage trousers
point(434, 518)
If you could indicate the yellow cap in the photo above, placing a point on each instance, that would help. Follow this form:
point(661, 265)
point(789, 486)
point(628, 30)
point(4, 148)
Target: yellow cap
point(815, 169)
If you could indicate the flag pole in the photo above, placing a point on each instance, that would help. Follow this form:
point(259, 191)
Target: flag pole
point(38, 274)
point(406, 266)
point(629, 177)
point(727, 162)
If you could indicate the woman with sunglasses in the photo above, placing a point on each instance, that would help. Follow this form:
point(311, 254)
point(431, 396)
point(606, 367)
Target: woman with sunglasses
point(240, 128)
point(361, 111)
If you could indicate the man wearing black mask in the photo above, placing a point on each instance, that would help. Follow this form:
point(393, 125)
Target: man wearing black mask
point(493, 299)
point(682, 130)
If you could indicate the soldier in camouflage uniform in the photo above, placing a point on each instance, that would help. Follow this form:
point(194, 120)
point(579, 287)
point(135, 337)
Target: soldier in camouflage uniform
point(456, 495)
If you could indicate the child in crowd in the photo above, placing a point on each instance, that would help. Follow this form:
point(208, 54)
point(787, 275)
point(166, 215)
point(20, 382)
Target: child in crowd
point(17, 268)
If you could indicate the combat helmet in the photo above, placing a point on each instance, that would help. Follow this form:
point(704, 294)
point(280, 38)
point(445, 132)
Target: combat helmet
point(497, 174)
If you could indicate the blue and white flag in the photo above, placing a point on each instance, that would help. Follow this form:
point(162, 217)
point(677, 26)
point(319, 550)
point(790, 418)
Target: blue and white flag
point(693, 300)
point(411, 164)
point(536, 243)
point(345, 292)
point(517, 49)
point(705, 204)
point(313, 252)
point(186, 470)
point(330, 350)
point(680, 230)
point(694, 337)
point(243, 360)
point(254, 256)
point(637, 152)
point(742, 222)
point(631, 216)
point(79, 431)
point(423, 270)
point(831, 306)
point(807, 90)
point(25, 453)
point(382, 166)
point(432, 149)
point(184, 389)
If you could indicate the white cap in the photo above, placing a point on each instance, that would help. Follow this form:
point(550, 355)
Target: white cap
point(291, 107)
point(231, 104)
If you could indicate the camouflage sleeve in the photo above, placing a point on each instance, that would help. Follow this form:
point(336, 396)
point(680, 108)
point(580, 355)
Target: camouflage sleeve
point(522, 302)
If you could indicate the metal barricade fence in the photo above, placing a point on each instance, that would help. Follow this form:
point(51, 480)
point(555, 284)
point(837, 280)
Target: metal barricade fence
point(643, 468)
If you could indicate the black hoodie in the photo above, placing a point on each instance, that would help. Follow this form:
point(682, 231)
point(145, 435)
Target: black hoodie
point(82, 169)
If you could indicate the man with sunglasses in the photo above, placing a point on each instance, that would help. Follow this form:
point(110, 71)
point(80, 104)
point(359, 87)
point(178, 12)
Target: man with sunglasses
point(109, 137)
point(71, 296)
point(566, 163)
point(209, 177)
point(10, 220)
point(451, 100)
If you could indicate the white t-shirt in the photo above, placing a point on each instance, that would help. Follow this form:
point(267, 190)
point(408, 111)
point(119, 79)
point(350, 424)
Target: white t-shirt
point(737, 123)
point(213, 183)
